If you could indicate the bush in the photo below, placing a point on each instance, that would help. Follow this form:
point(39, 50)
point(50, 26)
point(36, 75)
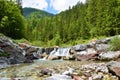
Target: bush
point(115, 44)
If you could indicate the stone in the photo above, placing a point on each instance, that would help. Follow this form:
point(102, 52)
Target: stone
point(97, 67)
point(114, 67)
point(46, 72)
point(14, 51)
point(30, 50)
point(80, 47)
point(91, 45)
point(110, 55)
point(89, 54)
point(2, 51)
point(86, 57)
point(4, 62)
point(97, 77)
point(101, 47)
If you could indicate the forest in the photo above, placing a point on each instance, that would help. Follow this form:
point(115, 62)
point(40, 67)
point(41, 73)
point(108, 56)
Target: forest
point(92, 19)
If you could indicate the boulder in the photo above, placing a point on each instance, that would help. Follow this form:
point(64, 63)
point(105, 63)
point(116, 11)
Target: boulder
point(114, 67)
point(31, 49)
point(101, 47)
point(4, 62)
point(80, 47)
point(89, 54)
point(86, 57)
point(110, 55)
point(13, 50)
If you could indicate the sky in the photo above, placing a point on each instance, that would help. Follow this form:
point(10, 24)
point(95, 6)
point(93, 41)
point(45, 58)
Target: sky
point(51, 6)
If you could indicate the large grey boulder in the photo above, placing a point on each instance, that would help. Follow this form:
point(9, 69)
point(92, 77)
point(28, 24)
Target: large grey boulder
point(110, 55)
point(101, 47)
point(13, 50)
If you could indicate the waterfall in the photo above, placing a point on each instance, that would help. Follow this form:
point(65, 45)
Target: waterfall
point(60, 52)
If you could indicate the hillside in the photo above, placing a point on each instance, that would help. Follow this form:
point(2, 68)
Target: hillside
point(28, 12)
point(82, 21)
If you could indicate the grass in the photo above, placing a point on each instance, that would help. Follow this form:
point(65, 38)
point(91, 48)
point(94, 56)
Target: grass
point(52, 42)
point(114, 44)
point(21, 41)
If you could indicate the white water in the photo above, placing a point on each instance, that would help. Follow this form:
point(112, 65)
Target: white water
point(60, 52)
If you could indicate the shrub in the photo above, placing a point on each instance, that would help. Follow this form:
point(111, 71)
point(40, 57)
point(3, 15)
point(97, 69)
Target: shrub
point(115, 44)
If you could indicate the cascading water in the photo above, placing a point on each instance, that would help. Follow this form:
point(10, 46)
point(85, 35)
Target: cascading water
point(60, 52)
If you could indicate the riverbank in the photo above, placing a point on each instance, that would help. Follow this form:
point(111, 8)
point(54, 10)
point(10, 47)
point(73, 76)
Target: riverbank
point(91, 61)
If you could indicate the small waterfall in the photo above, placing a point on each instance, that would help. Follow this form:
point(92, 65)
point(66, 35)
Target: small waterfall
point(60, 52)
point(38, 53)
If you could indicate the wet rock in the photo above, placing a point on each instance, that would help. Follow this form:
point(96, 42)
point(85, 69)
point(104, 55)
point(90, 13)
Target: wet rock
point(4, 62)
point(30, 50)
point(2, 51)
point(110, 55)
point(28, 61)
point(80, 47)
point(48, 50)
point(114, 67)
point(46, 72)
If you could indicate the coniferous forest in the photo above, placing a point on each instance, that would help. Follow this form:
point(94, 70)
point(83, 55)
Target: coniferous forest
point(83, 21)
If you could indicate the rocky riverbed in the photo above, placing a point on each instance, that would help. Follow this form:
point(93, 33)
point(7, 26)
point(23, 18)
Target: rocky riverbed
point(85, 70)
point(90, 61)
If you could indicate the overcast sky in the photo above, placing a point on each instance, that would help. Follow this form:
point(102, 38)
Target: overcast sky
point(52, 6)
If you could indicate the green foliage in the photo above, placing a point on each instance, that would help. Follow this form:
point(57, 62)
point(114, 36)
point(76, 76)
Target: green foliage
point(57, 39)
point(30, 12)
point(83, 21)
point(115, 44)
point(4, 54)
point(38, 43)
point(21, 41)
point(12, 22)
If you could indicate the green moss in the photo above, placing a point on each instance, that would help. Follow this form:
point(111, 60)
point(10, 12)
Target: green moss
point(4, 54)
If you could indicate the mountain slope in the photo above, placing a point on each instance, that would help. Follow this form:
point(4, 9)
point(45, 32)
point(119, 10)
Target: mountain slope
point(28, 12)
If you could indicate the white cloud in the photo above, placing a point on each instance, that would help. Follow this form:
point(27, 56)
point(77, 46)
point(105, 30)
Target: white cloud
point(39, 4)
point(61, 5)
